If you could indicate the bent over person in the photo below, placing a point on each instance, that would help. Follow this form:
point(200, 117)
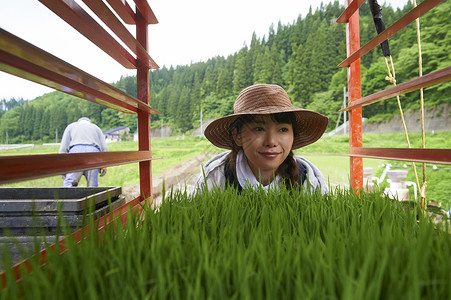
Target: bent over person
point(79, 137)
point(261, 134)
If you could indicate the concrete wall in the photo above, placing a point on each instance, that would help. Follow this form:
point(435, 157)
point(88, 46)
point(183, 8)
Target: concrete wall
point(161, 132)
point(436, 119)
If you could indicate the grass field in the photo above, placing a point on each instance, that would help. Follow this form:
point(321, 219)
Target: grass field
point(325, 154)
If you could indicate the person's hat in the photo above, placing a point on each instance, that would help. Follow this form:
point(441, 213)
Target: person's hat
point(262, 99)
point(84, 119)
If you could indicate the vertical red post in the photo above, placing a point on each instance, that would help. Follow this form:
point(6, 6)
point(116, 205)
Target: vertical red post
point(143, 91)
point(354, 93)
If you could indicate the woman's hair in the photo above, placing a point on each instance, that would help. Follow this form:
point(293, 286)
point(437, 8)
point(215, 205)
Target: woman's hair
point(288, 170)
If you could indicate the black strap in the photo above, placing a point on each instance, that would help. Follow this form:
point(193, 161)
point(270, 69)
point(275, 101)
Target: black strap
point(379, 23)
point(302, 174)
point(231, 179)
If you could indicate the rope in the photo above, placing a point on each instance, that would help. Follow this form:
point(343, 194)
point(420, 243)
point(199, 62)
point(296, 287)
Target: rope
point(423, 137)
point(391, 78)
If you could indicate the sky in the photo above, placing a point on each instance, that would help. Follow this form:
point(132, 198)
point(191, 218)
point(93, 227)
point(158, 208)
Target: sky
point(188, 31)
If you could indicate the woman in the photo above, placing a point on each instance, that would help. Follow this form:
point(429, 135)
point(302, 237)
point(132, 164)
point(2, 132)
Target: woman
point(261, 135)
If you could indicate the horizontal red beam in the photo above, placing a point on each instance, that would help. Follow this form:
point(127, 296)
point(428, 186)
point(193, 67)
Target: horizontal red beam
point(408, 18)
point(105, 14)
point(78, 18)
point(46, 77)
point(405, 87)
point(124, 11)
point(146, 11)
point(25, 60)
point(26, 167)
point(350, 10)
point(433, 156)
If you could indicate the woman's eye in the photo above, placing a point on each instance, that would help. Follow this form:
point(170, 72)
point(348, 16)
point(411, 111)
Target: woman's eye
point(284, 129)
point(258, 129)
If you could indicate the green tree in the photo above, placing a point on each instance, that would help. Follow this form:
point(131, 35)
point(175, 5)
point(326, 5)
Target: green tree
point(44, 126)
point(225, 83)
point(243, 71)
point(184, 112)
point(38, 114)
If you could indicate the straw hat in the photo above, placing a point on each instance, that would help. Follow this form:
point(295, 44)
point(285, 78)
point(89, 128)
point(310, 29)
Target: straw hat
point(262, 99)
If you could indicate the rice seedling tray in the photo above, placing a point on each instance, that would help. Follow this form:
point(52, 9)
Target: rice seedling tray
point(33, 216)
point(23, 210)
point(24, 201)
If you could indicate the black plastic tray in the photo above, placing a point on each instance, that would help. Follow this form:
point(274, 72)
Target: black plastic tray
point(27, 201)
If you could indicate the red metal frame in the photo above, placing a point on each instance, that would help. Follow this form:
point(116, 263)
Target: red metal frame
point(354, 93)
point(352, 62)
point(23, 59)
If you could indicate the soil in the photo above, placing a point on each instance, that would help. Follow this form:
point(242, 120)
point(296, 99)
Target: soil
point(180, 176)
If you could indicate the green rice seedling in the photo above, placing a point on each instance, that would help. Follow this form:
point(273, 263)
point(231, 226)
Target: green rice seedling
point(254, 244)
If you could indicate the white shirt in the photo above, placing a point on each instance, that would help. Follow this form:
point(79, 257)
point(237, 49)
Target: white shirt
point(212, 174)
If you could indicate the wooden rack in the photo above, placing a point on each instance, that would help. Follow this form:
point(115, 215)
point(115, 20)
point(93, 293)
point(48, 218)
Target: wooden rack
point(27, 61)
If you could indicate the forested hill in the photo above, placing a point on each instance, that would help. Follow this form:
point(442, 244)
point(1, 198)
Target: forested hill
point(301, 56)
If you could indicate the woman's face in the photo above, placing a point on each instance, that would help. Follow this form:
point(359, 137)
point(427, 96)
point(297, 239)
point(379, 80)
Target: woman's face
point(266, 144)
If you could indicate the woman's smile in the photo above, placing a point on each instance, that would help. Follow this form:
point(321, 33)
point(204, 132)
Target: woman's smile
point(270, 155)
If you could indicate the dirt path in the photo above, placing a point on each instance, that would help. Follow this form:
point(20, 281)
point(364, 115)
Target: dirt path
point(178, 176)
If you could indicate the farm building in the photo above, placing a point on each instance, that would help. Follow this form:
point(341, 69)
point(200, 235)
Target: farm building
point(114, 135)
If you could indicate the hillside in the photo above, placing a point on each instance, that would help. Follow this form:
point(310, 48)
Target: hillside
point(301, 56)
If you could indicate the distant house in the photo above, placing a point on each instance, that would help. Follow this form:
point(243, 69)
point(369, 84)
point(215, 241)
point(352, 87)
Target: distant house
point(114, 135)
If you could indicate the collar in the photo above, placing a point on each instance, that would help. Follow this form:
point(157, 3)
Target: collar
point(247, 179)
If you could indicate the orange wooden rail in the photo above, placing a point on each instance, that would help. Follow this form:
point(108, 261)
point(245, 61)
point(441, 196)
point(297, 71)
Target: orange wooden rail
point(124, 11)
point(352, 62)
point(146, 12)
point(350, 10)
point(402, 88)
point(433, 156)
point(18, 167)
point(22, 59)
point(78, 18)
point(102, 11)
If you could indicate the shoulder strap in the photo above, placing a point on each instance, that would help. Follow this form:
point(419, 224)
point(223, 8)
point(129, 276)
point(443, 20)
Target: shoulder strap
point(231, 179)
point(302, 173)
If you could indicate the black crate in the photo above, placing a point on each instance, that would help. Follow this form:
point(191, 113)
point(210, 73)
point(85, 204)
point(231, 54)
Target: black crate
point(32, 215)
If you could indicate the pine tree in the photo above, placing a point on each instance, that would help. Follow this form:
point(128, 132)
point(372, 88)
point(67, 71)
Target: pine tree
point(242, 71)
point(224, 86)
point(184, 112)
point(44, 126)
point(38, 114)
